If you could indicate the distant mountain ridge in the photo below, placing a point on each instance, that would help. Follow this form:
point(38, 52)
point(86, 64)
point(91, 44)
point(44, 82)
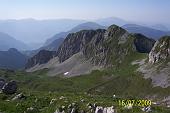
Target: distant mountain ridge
point(83, 26)
point(7, 42)
point(160, 27)
point(111, 20)
point(147, 31)
point(32, 30)
point(12, 59)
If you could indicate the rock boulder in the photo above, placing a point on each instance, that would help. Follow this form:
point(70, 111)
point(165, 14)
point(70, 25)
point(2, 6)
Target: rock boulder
point(161, 50)
point(10, 88)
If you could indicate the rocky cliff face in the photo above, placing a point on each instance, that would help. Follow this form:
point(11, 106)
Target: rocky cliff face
point(110, 48)
point(77, 42)
point(42, 57)
point(161, 50)
point(104, 47)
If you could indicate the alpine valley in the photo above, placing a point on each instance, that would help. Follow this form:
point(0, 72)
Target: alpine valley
point(90, 69)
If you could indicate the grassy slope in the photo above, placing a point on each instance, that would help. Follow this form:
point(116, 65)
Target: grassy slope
point(98, 86)
point(101, 85)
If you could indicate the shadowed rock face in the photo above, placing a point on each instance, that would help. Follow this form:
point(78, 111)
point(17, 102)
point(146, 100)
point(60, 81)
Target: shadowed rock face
point(42, 57)
point(10, 88)
point(161, 50)
point(143, 44)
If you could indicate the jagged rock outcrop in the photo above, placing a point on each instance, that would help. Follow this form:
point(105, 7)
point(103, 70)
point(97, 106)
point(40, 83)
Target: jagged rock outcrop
point(77, 42)
point(111, 49)
point(161, 50)
point(100, 109)
point(42, 57)
point(157, 68)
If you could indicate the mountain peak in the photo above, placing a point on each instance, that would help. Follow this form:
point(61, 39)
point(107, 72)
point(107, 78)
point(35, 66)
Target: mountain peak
point(115, 31)
point(114, 27)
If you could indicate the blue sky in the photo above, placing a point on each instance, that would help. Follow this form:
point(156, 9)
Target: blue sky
point(157, 11)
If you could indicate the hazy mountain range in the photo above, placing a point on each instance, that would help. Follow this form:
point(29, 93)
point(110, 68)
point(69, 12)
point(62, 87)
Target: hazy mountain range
point(35, 32)
point(55, 39)
point(12, 59)
point(111, 20)
point(7, 41)
point(83, 26)
point(53, 43)
point(147, 31)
